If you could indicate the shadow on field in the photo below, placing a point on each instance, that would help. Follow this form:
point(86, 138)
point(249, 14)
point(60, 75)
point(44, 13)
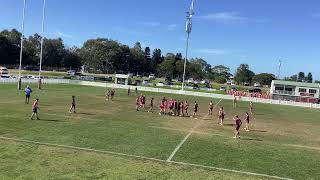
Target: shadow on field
point(262, 131)
point(251, 139)
point(48, 120)
point(89, 114)
point(228, 124)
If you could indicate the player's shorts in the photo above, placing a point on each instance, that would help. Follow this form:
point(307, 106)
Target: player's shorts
point(28, 96)
point(195, 110)
point(248, 121)
point(237, 127)
point(73, 104)
point(35, 110)
point(211, 108)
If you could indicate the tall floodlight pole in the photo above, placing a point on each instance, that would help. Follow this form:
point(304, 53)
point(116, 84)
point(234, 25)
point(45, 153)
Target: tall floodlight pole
point(42, 37)
point(279, 68)
point(21, 45)
point(188, 30)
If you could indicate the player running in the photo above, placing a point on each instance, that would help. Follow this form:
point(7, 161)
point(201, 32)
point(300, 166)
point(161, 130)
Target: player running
point(247, 121)
point(210, 108)
point(195, 109)
point(129, 90)
point(151, 105)
point(137, 103)
point(113, 93)
point(237, 124)
point(251, 107)
point(28, 92)
point(35, 108)
point(108, 93)
point(221, 116)
point(73, 105)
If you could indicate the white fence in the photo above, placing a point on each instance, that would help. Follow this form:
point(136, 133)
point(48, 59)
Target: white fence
point(161, 90)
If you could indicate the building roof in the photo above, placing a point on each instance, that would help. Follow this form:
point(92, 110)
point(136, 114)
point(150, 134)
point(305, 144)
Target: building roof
point(300, 84)
point(122, 76)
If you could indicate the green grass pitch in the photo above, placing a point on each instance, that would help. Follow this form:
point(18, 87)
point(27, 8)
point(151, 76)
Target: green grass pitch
point(284, 141)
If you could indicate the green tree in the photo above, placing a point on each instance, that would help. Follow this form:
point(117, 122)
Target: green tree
point(220, 79)
point(167, 68)
point(220, 69)
point(301, 76)
point(309, 78)
point(263, 78)
point(243, 74)
point(9, 53)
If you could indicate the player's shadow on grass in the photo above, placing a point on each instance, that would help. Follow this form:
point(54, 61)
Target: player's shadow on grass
point(49, 120)
point(228, 124)
point(89, 114)
point(251, 139)
point(261, 131)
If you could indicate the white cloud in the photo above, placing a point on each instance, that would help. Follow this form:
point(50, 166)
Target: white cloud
point(226, 17)
point(214, 51)
point(172, 27)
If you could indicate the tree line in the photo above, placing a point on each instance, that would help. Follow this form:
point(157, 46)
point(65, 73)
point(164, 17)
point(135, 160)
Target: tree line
point(102, 55)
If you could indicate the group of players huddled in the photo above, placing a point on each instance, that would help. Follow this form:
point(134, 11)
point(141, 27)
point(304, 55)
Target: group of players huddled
point(173, 107)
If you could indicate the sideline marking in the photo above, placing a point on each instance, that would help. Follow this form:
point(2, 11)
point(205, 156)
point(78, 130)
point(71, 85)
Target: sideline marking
point(185, 138)
point(141, 157)
point(305, 147)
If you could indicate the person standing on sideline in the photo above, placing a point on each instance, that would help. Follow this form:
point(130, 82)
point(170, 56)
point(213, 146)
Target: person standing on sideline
point(35, 108)
point(73, 105)
point(28, 92)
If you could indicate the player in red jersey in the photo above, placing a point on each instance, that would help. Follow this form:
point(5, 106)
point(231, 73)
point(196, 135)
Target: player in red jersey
point(171, 107)
point(137, 103)
point(35, 108)
point(186, 107)
point(181, 109)
point(237, 125)
point(113, 93)
point(165, 105)
point(221, 116)
point(247, 121)
point(175, 107)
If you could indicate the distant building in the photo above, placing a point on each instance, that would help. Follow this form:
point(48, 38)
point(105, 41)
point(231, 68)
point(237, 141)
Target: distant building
point(295, 91)
point(122, 79)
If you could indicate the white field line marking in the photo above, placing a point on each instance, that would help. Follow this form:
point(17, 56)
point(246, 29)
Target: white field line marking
point(179, 146)
point(141, 157)
point(305, 147)
point(182, 130)
point(186, 137)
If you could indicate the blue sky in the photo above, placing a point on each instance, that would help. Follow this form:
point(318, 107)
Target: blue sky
point(229, 32)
